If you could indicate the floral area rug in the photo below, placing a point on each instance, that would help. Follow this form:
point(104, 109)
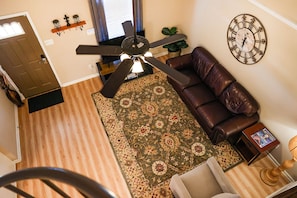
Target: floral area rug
point(154, 136)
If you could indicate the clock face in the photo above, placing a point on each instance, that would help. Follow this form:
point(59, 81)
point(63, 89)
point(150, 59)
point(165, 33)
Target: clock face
point(246, 39)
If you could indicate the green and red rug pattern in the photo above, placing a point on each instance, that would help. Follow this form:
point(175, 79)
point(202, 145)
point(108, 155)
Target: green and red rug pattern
point(154, 136)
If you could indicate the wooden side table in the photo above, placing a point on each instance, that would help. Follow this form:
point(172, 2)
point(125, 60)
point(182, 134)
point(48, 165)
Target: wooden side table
point(105, 70)
point(255, 141)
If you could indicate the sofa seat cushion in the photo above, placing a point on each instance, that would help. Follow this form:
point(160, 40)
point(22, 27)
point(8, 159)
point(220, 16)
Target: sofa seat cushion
point(198, 95)
point(214, 113)
point(193, 181)
point(238, 100)
point(218, 79)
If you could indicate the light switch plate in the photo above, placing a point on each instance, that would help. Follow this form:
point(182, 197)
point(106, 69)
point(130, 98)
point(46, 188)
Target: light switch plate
point(49, 42)
point(90, 31)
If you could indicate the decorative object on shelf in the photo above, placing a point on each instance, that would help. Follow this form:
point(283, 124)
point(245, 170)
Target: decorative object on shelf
point(11, 94)
point(174, 49)
point(271, 176)
point(57, 25)
point(66, 18)
point(58, 28)
point(76, 18)
point(246, 39)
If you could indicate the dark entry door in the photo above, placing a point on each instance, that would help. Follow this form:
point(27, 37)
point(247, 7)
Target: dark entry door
point(22, 57)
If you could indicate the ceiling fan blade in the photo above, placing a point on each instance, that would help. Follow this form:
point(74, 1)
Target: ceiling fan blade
point(168, 40)
point(176, 75)
point(104, 50)
point(128, 28)
point(114, 82)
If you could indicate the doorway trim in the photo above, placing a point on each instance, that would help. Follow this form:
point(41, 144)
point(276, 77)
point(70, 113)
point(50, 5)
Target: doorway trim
point(26, 14)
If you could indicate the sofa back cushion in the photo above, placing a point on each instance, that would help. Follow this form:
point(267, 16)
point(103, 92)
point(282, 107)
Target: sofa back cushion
point(218, 79)
point(180, 62)
point(203, 61)
point(238, 100)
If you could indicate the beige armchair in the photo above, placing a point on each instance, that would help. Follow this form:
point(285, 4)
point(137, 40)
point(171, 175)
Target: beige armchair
point(205, 181)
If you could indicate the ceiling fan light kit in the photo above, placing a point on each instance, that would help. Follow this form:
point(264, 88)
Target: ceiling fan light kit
point(137, 59)
point(133, 51)
point(124, 56)
point(137, 66)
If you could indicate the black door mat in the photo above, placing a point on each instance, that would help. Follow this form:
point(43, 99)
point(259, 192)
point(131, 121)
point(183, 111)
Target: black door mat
point(45, 100)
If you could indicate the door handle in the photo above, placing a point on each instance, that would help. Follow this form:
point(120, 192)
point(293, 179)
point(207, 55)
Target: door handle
point(43, 59)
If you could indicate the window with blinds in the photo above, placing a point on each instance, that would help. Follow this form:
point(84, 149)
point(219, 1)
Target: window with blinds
point(116, 12)
point(108, 16)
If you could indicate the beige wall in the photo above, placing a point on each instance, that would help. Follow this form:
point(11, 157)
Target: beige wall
point(165, 13)
point(8, 132)
point(286, 8)
point(271, 81)
point(6, 166)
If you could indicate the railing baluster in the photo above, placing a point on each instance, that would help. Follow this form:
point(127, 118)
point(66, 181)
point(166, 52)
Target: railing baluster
point(55, 188)
point(84, 185)
point(83, 194)
point(18, 191)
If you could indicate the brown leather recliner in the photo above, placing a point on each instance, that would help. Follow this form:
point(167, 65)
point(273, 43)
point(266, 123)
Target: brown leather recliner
point(221, 105)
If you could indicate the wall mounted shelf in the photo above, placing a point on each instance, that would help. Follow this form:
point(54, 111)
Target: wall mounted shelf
point(66, 27)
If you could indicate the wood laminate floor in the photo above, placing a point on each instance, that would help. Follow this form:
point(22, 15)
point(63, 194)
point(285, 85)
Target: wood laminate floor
point(70, 135)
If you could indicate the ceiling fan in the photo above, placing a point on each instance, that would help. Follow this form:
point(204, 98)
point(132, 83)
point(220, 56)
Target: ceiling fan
point(134, 48)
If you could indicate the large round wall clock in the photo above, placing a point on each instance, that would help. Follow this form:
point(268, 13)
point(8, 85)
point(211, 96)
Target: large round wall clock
point(247, 39)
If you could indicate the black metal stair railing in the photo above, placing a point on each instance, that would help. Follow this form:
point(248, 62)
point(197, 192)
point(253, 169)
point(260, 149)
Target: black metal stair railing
point(84, 185)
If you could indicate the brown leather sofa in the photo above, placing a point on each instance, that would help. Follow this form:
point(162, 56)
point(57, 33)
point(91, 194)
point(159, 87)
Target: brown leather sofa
point(221, 105)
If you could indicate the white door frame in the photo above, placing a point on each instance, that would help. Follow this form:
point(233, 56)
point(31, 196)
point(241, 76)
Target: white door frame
point(40, 43)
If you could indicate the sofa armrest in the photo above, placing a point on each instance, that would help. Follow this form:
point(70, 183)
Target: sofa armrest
point(180, 62)
point(220, 176)
point(178, 188)
point(231, 128)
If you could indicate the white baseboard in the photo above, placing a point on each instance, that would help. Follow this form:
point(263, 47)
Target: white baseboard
point(80, 80)
point(17, 131)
